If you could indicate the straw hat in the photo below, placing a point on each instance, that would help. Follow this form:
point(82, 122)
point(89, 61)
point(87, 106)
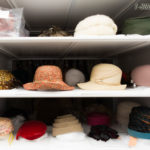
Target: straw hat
point(6, 126)
point(104, 77)
point(96, 25)
point(47, 78)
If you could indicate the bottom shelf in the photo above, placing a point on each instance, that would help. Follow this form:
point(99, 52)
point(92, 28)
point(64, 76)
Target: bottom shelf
point(50, 143)
point(129, 92)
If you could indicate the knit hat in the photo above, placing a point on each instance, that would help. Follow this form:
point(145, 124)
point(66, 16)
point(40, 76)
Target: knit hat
point(48, 78)
point(139, 122)
point(104, 77)
point(66, 124)
point(32, 130)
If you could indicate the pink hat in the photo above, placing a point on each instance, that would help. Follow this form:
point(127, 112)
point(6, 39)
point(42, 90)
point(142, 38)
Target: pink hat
point(141, 75)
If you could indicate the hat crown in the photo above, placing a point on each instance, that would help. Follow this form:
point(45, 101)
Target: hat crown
point(106, 73)
point(48, 73)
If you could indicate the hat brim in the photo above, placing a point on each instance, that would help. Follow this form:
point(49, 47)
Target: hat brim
point(44, 85)
point(93, 86)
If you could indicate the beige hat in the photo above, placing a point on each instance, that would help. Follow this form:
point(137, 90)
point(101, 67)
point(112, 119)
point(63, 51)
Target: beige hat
point(65, 116)
point(66, 124)
point(104, 77)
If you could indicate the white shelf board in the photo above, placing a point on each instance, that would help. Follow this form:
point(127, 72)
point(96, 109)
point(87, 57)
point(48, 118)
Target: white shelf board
point(71, 47)
point(51, 143)
point(21, 93)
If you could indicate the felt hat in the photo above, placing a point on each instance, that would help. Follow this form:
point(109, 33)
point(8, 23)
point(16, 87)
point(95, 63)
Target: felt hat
point(95, 119)
point(74, 76)
point(95, 26)
point(6, 126)
point(32, 130)
point(138, 25)
point(141, 75)
point(66, 124)
point(47, 78)
point(104, 77)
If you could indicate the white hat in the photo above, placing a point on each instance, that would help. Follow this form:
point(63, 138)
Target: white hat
point(96, 25)
point(104, 77)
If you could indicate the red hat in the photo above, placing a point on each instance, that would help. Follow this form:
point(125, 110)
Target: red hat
point(32, 130)
point(48, 78)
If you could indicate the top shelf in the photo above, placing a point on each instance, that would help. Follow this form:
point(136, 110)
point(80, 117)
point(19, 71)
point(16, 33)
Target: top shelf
point(71, 47)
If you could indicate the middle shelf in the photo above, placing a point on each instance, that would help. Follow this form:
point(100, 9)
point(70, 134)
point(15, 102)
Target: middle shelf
point(129, 92)
point(71, 47)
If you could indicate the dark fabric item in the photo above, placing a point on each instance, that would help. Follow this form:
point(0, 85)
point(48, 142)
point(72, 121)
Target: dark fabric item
point(103, 133)
point(137, 26)
point(139, 119)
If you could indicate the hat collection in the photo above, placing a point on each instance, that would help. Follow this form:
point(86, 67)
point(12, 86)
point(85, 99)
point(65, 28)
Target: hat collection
point(69, 127)
point(130, 116)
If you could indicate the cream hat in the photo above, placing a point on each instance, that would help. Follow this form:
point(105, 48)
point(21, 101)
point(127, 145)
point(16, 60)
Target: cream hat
point(96, 25)
point(66, 124)
point(104, 77)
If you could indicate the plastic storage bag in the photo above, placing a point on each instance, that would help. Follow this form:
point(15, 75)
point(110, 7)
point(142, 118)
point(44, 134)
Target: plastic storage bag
point(12, 23)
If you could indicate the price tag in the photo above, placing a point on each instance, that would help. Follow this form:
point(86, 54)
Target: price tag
point(4, 14)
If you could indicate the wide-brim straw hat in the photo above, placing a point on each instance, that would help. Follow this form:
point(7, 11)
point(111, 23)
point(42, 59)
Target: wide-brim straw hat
point(47, 78)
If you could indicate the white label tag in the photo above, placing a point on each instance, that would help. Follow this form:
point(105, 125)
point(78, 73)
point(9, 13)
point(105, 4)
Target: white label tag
point(4, 14)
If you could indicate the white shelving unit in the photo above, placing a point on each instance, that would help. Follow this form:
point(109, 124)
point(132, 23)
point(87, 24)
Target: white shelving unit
point(39, 15)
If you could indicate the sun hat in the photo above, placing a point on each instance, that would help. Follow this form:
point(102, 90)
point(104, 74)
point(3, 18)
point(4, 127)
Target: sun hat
point(141, 75)
point(104, 77)
point(96, 25)
point(47, 77)
point(32, 130)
